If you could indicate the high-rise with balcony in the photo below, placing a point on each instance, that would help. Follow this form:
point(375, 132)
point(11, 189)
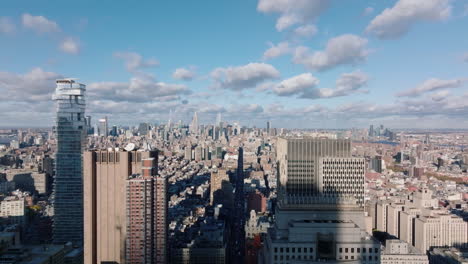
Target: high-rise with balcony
point(70, 130)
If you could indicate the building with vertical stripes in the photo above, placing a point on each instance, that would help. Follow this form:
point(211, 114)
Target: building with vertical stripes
point(105, 217)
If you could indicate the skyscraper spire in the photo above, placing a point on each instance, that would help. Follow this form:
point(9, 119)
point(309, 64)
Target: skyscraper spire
point(218, 119)
point(194, 126)
point(169, 120)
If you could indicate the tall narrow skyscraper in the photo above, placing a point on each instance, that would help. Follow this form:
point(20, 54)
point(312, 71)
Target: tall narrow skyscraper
point(194, 125)
point(70, 133)
point(103, 127)
point(218, 120)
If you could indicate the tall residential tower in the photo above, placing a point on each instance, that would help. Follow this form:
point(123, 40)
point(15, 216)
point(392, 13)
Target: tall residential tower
point(147, 216)
point(70, 130)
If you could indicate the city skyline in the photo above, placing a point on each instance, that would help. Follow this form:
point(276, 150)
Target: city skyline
point(298, 64)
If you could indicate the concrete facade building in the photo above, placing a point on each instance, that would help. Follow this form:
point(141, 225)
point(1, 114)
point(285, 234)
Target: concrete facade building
point(448, 256)
point(407, 221)
point(12, 208)
point(298, 163)
point(342, 177)
point(440, 231)
point(315, 241)
point(423, 199)
point(393, 218)
point(105, 217)
point(319, 216)
point(146, 216)
point(399, 252)
point(381, 216)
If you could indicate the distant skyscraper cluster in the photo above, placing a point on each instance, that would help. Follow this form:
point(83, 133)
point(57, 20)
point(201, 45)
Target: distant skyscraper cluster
point(232, 194)
point(380, 131)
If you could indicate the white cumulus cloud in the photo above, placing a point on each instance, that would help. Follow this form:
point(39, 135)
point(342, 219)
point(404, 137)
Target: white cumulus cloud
point(306, 86)
point(184, 74)
point(344, 49)
point(243, 77)
point(40, 24)
point(431, 85)
point(69, 45)
point(292, 12)
point(398, 20)
point(274, 51)
point(141, 88)
point(36, 85)
point(134, 61)
point(306, 31)
point(299, 84)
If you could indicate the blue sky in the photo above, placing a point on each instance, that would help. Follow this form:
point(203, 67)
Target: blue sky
point(298, 63)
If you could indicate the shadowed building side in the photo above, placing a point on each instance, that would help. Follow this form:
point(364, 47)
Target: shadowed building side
point(319, 216)
point(105, 176)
